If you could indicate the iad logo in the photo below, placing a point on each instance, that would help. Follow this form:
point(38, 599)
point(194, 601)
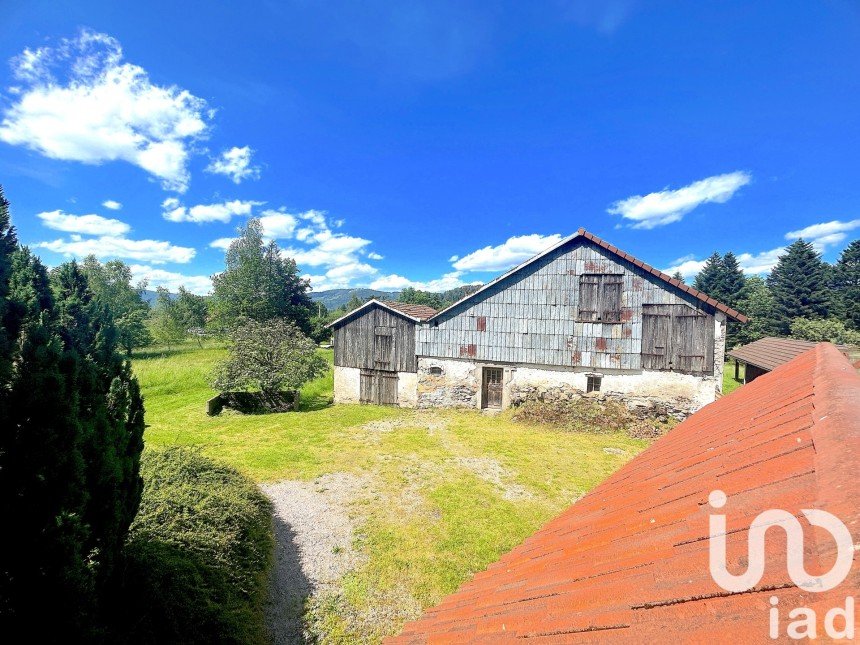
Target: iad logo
point(806, 625)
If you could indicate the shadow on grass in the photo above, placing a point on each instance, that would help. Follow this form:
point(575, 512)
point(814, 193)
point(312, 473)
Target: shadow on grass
point(147, 353)
point(315, 403)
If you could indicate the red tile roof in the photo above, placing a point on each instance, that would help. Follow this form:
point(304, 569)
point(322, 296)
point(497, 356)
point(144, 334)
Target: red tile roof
point(421, 312)
point(771, 352)
point(700, 295)
point(629, 562)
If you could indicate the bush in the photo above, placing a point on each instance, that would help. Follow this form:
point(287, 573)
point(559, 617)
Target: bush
point(831, 330)
point(594, 416)
point(197, 556)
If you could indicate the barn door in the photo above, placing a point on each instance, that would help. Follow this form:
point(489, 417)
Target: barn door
point(691, 341)
point(378, 387)
point(493, 377)
point(655, 337)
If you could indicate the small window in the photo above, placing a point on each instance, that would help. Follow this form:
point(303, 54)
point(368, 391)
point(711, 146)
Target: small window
point(592, 383)
point(600, 298)
point(382, 347)
point(436, 370)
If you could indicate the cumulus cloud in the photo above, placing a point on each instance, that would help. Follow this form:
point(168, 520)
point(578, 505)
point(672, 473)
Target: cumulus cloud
point(235, 163)
point(514, 251)
point(373, 255)
point(396, 282)
point(824, 234)
point(278, 224)
point(667, 206)
point(750, 263)
point(110, 247)
point(79, 101)
point(83, 224)
point(222, 243)
point(174, 211)
point(199, 284)
point(112, 205)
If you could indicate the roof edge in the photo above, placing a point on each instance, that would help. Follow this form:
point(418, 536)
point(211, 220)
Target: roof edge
point(372, 301)
point(581, 232)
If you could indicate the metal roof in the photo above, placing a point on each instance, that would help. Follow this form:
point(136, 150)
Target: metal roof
point(771, 352)
point(582, 233)
point(630, 561)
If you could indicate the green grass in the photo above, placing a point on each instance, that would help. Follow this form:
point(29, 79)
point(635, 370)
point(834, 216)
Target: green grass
point(729, 382)
point(451, 490)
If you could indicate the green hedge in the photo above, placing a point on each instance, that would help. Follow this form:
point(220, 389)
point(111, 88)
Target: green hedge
point(198, 554)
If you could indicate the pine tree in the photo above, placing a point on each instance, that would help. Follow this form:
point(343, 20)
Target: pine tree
point(846, 285)
point(799, 286)
point(708, 278)
point(677, 276)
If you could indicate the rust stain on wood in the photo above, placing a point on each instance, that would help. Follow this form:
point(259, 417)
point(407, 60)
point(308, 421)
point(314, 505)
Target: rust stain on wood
point(469, 350)
point(576, 357)
point(482, 323)
point(600, 344)
point(626, 315)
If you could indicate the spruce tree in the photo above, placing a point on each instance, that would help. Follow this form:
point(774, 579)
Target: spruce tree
point(846, 285)
point(799, 284)
point(677, 276)
point(708, 278)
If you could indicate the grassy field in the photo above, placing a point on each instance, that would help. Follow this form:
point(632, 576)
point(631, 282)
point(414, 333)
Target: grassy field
point(729, 382)
point(448, 491)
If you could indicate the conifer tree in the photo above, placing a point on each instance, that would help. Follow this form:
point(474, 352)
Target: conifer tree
point(799, 284)
point(846, 285)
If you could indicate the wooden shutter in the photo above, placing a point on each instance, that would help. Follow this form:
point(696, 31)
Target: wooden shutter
point(610, 301)
point(589, 294)
point(383, 347)
point(655, 337)
point(692, 344)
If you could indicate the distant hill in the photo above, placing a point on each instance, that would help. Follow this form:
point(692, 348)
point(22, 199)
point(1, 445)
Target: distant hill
point(334, 298)
point(149, 296)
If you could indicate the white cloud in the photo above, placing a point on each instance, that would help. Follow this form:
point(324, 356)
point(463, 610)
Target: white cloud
point(515, 250)
point(824, 234)
point(750, 263)
point(396, 282)
point(112, 205)
point(278, 224)
point(154, 251)
point(325, 248)
point(373, 255)
point(83, 224)
point(222, 243)
point(235, 163)
point(174, 211)
point(667, 206)
point(80, 102)
point(199, 284)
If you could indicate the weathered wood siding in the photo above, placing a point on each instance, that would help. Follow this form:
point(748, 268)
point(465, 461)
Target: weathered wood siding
point(376, 339)
point(531, 317)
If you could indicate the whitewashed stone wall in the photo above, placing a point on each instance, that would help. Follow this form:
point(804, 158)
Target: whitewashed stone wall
point(347, 384)
point(458, 386)
point(719, 349)
point(407, 389)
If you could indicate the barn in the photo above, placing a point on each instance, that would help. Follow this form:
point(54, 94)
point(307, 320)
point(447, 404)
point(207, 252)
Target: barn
point(374, 353)
point(581, 317)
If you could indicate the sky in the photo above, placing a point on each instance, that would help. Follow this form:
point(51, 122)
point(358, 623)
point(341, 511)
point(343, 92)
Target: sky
point(428, 143)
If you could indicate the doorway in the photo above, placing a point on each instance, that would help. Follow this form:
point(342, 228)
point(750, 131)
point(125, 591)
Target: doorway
point(492, 386)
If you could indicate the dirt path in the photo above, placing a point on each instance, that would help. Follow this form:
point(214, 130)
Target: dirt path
point(313, 545)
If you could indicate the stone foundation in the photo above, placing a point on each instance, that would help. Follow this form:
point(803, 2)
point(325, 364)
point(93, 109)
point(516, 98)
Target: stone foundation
point(458, 385)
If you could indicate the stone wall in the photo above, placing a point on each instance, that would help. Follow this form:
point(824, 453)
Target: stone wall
point(458, 385)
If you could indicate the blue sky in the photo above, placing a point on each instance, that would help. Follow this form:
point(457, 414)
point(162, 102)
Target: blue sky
point(431, 144)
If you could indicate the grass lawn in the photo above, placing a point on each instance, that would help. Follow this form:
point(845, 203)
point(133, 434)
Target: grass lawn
point(729, 382)
point(450, 491)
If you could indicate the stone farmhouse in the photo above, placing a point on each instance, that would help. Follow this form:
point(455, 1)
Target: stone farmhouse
point(580, 317)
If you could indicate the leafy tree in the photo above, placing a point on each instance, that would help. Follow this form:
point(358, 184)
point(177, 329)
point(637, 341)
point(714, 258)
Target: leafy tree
point(818, 330)
point(192, 311)
point(846, 285)
point(166, 323)
point(258, 283)
point(269, 356)
point(799, 286)
point(111, 283)
point(757, 303)
point(320, 333)
point(416, 297)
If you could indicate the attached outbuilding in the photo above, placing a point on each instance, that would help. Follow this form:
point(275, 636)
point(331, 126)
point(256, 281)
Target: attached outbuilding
point(766, 354)
point(374, 353)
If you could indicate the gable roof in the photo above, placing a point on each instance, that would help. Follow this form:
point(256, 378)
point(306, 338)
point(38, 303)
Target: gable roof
point(582, 233)
point(771, 352)
point(416, 313)
point(630, 560)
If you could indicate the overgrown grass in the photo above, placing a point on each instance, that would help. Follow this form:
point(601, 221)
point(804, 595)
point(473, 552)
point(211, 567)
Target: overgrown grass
point(197, 554)
point(451, 491)
point(729, 382)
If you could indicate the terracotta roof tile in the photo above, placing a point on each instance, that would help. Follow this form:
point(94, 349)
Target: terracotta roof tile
point(629, 561)
point(421, 312)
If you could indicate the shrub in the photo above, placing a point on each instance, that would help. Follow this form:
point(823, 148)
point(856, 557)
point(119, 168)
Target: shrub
point(197, 556)
point(594, 416)
point(831, 330)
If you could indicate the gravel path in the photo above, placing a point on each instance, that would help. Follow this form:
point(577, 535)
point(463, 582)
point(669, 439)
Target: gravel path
point(313, 545)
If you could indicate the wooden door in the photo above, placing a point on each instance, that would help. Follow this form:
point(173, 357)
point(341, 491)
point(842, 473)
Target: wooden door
point(378, 387)
point(656, 354)
point(493, 377)
point(692, 345)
